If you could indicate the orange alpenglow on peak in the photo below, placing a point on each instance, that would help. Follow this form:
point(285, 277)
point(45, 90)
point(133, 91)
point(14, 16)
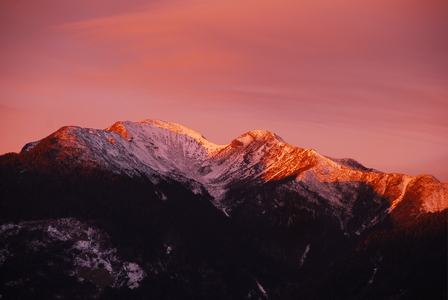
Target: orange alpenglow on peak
point(119, 128)
point(154, 146)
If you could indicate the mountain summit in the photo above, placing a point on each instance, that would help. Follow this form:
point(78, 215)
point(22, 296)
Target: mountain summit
point(169, 149)
point(255, 219)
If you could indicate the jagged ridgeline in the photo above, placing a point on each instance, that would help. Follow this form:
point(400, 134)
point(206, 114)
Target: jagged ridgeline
point(152, 210)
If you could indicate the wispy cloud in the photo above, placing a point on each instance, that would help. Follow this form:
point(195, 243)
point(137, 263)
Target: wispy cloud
point(318, 72)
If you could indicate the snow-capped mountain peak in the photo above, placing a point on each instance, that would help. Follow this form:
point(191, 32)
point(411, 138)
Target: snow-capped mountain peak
point(131, 130)
point(155, 147)
point(179, 207)
point(257, 136)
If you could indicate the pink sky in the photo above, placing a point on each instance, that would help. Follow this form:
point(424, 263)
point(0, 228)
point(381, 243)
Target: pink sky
point(361, 79)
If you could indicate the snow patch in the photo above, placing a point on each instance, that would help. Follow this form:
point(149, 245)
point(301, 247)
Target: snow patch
point(373, 275)
point(134, 273)
point(302, 259)
point(30, 146)
point(168, 249)
point(404, 185)
point(261, 288)
point(92, 249)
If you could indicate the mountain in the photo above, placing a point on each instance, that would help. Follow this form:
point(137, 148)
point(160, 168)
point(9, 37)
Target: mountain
point(178, 217)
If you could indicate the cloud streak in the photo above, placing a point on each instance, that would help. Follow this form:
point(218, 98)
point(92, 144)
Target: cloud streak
point(332, 75)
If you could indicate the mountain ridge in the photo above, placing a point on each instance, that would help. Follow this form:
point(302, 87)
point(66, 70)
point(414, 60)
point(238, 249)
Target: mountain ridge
point(154, 146)
point(257, 218)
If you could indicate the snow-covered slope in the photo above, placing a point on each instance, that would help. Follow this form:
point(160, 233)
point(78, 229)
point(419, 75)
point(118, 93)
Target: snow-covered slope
point(171, 150)
point(86, 252)
point(282, 216)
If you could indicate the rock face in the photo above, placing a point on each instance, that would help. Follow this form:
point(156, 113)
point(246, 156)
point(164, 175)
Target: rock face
point(255, 219)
